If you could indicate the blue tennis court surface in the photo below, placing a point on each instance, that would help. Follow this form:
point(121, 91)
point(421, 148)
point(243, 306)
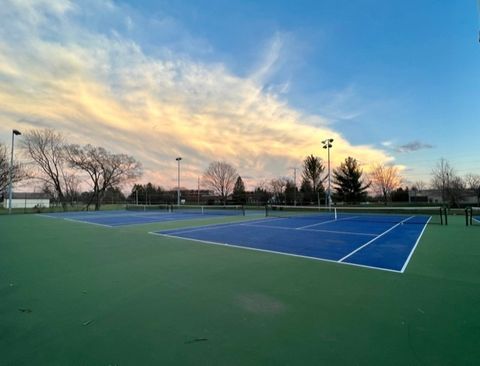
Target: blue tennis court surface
point(123, 218)
point(382, 245)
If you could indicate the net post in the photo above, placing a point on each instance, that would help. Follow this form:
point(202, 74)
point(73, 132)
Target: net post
point(266, 210)
point(335, 213)
point(446, 215)
point(441, 215)
point(466, 216)
point(243, 210)
point(471, 216)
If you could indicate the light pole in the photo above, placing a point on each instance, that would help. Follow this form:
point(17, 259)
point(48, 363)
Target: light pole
point(14, 133)
point(327, 144)
point(178, 178)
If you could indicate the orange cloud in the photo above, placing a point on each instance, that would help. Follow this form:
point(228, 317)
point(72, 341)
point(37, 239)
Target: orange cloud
point(104, 90)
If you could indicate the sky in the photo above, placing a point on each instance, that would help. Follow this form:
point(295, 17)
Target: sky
point(258, 84)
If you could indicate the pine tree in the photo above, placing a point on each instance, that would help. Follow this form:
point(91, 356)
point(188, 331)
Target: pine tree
point(239, 196)
point(307, 195)
point(348, 184)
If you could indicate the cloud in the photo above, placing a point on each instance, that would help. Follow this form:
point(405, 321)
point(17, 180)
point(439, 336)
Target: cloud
point(102, 87)
point(413, 146)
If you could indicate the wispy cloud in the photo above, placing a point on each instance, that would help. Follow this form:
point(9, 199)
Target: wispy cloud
point(407, 147)
point(413, 146)
point(102, 87)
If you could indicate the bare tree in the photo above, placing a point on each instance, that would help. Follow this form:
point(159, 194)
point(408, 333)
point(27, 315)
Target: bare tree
point(419, 185)
point(278, 186)
point(220, 177)
point(456, 190)
point(442, 175)
point(46, 149)
point(384, 180)
point(262, 193)
point(105, 169)
point(312, 172)
point(472, 182)
point(18, 172)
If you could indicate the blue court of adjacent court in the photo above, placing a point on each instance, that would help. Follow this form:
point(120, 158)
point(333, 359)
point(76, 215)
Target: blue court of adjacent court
point(124, 218)
point(380, 245)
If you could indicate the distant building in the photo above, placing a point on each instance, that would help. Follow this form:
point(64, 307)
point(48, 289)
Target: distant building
point(27, 200)
point(468, 197)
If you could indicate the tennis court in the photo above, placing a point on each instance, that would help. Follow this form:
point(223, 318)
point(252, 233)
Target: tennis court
point(368, 238)
point(145, 214)
point(75, 293)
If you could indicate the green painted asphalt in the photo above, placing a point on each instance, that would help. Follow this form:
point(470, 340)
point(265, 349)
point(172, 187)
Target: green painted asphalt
point(79, 294)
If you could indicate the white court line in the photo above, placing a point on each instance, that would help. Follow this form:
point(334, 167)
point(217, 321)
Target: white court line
point(379, 236)
point(414, 247)
point(311, 230)
point(168, 219)
point(159, 220)
point(206, 227)
point(87, 222)
point(172, 217)
point(47, 215)
point(75, 220)
point(326, 222)
point(274, 252)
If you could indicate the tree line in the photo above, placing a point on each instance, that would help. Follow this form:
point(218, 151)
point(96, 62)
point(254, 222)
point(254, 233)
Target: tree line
point(350, 185)
point(63, 167)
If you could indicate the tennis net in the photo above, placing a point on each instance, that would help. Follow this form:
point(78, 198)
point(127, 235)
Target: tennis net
point(148, 208)
point(209, 210)
point(473, 216)
point(407, 215)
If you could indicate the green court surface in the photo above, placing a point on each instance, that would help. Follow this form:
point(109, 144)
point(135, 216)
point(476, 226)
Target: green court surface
point(79, 294)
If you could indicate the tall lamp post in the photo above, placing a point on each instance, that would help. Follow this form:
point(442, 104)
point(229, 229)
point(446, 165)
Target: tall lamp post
point(14, 133)
point(327, 144)
point(178, 179)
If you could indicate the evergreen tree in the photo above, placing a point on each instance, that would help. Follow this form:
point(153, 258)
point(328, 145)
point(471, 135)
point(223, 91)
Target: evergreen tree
point(239, 196)
point(348, 184)
point(307, 192)
point(400, 195)
point(262, 195)
point(290, 193)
